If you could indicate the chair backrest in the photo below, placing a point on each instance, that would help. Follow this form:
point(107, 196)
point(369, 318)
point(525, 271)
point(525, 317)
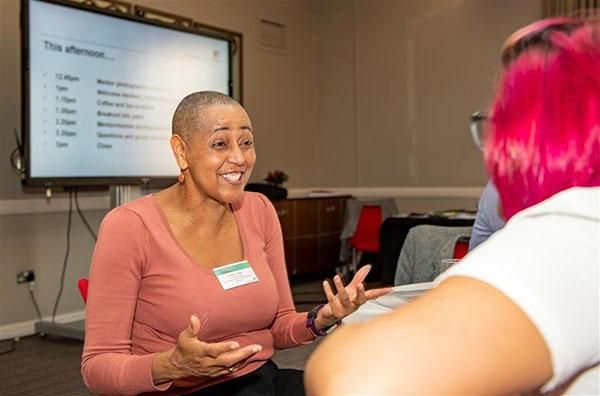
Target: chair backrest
point(424, 247)
point(82, 284)
point(461, 248)
point(366, 237)
point(351, 215)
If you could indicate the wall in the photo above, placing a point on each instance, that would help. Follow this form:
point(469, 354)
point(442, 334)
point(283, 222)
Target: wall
point(334, 117)
point(38, 242)
point(278, 88)
point(397, 82)
point(369, 93)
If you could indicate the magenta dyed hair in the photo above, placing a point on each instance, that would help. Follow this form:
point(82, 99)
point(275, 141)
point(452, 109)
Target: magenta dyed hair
point(545, 119)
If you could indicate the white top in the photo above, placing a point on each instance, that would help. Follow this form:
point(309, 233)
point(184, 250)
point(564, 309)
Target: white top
point(546, 260)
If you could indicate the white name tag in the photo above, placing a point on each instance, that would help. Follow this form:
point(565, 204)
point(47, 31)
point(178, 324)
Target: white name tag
point(236, 274)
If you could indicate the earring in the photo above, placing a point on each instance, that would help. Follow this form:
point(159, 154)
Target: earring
point(181, 176)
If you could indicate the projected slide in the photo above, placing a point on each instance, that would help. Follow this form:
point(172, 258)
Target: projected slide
point(103, 91)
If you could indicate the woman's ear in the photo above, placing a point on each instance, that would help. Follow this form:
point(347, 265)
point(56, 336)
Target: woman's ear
point(179, 149)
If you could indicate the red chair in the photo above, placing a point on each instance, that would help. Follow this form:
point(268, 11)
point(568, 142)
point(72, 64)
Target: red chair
point(82, 284)
point(366, 236)
point(461, 248)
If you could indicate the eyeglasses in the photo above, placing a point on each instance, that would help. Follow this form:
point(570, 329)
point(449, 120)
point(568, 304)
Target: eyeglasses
point(479, 128)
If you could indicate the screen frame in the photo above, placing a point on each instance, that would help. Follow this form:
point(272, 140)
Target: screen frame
point(234, 43)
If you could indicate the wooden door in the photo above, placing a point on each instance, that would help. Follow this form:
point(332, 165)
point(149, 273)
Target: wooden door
point(330, 215)
point(306, 235)
point(306, 215)
point(331, 218)
point(285, 214)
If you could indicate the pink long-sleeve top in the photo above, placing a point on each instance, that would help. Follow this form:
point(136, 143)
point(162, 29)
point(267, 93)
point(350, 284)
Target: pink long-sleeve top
point(144, 287)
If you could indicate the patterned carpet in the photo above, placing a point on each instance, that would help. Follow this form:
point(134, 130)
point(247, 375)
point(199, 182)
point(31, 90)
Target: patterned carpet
point(50, 366)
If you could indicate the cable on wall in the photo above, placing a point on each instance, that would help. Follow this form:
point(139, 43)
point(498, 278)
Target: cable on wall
point(87, 224)
point(35, 304)
point(16, 157)
point(66, 259)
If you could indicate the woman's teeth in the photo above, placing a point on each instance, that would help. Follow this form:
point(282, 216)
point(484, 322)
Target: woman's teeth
point(233, 176)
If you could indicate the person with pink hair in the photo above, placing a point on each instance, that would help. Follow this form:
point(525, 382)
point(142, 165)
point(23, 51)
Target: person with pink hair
point(521, 312)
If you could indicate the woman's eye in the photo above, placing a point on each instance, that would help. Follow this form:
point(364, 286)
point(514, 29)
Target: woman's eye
point(247, 143)
point(218, 145)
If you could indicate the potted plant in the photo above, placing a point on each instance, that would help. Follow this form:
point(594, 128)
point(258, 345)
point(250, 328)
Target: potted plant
point(276, 177)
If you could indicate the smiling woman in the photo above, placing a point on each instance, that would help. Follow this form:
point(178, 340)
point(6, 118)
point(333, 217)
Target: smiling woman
point(214, 148)
point(188, 288)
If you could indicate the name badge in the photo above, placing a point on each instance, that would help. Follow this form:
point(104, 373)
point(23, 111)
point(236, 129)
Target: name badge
point(236, 274)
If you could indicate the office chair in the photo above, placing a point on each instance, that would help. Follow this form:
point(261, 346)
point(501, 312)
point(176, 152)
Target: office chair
point(82, 284)
point(366, 236)
point(461, 248)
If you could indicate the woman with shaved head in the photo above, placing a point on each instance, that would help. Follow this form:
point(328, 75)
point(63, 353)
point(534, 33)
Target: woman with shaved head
point(188, 287)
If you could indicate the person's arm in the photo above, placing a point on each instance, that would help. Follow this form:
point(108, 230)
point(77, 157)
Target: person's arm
point(464, 337)
point(108, 363)
point(488, 219)
point(193, 357)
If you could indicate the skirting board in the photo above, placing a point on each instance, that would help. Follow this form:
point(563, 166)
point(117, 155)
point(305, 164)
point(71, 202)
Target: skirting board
point(28, 206)
point(23, 329)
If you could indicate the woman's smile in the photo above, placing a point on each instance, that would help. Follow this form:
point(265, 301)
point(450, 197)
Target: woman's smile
point(235, 178)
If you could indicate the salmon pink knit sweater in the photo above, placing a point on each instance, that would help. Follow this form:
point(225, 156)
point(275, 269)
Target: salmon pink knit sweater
point(144, 287)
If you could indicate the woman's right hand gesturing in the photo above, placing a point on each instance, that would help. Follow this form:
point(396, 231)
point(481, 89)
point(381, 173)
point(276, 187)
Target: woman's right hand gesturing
point(192, 357)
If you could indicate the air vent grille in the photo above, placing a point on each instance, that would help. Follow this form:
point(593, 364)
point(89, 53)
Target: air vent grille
point(272, 35)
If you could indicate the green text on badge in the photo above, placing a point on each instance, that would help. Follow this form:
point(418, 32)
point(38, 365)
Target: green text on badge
point(235, 274)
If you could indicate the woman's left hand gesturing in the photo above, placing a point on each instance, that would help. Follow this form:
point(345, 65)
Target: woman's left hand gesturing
point(347, 299)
